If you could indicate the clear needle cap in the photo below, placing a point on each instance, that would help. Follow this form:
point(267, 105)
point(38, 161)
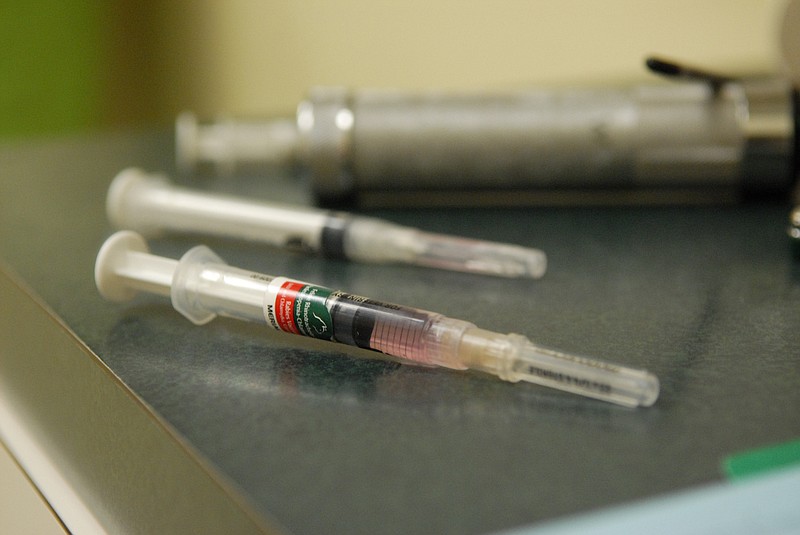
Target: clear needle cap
point(374, 240)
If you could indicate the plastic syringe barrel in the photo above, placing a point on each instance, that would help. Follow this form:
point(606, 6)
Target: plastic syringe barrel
point(150, 204)
point(202, 286)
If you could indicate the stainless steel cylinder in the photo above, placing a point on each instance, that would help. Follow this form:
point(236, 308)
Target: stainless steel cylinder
point(673, 137)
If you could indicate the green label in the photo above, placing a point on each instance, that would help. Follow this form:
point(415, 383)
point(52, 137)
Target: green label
point(311, 316)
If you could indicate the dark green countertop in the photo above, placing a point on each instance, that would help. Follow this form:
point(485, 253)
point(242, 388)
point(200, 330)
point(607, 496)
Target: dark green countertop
point(314, 438)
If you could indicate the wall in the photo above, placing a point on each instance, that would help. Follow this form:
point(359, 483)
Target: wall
point(129, 62)
point(262, 56)
point(50, 66)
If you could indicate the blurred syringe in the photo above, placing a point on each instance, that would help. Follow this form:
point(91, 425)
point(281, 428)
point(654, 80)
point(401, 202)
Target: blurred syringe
point(201, 286)
point(705, 138)
point(150, 204)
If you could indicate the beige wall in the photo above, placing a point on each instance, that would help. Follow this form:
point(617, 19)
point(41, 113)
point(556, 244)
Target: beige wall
point(97, 63)
point(248, 56)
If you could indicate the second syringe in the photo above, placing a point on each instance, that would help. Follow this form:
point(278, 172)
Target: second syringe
point(150, 204)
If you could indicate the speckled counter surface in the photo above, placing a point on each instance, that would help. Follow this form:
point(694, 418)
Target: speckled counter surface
point(301, 436)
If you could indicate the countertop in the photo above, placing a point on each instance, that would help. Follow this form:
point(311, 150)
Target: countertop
point(157, 424)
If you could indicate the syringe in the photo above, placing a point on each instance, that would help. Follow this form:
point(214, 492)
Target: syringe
point(150, 204)
point(708, 138)
point(201, 286)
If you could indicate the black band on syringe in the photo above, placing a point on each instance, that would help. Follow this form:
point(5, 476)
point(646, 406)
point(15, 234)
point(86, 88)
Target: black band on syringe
point(332, 239)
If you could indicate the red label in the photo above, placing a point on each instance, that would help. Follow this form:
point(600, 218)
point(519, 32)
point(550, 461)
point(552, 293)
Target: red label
point(284, 306)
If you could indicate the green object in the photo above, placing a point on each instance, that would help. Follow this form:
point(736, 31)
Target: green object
point(51, 67)
point(761, 460)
